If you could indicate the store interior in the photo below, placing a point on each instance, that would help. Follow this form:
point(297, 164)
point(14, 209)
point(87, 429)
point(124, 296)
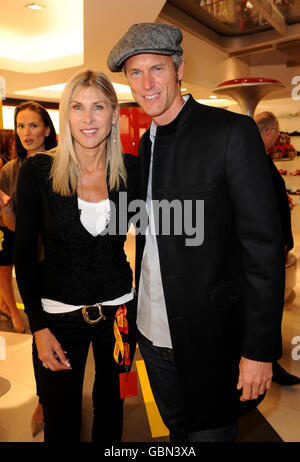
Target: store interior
point(253, 49)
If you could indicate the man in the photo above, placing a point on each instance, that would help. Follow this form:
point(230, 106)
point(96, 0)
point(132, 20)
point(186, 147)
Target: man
point(269, 129)
point(208, 314)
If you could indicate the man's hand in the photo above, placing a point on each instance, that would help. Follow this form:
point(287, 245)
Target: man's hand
point(255, 378)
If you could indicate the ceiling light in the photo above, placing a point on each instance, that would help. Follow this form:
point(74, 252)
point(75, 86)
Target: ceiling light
point(55, 91)
point(218, 102)
point(121, 88)
point(35, 6)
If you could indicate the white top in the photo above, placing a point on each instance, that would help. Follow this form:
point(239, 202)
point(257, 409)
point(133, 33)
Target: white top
point(152, 319)
point(94, 216)
point(55, 307)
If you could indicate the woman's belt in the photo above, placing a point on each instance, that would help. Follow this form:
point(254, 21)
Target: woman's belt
point(92, 314)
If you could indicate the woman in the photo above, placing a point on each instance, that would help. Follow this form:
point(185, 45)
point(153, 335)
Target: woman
point(84, 280)
point(34, 132)
point(7, 141)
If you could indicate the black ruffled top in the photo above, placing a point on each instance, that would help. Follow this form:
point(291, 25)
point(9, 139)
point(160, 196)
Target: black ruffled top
point(77, 268)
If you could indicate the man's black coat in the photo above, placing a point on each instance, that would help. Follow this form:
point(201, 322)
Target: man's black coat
point(224, 298)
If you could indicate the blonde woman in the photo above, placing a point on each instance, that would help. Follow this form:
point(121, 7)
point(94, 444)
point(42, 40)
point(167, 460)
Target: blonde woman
point(73, 296)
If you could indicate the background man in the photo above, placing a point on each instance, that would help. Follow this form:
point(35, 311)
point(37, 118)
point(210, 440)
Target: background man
point(269, 129)
point(208, 315)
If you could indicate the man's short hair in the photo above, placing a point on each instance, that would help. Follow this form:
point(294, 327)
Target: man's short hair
point(176, 61)
point(175, 58)
point(265, 120)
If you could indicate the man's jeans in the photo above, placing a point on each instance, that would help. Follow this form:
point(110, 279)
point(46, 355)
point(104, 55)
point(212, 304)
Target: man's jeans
point(162, 375)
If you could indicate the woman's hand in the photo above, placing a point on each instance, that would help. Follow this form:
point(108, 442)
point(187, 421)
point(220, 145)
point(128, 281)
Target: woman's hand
point(50, 351)
point(5, 202)
point(7, 211)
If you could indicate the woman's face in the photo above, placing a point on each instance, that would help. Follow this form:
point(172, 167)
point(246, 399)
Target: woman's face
point(91, 118)
point(31, 131)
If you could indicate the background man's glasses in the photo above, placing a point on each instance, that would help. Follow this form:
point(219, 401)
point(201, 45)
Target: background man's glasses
point(275, 130)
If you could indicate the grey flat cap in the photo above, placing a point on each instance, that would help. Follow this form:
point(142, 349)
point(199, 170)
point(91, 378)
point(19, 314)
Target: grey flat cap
point(146, 37)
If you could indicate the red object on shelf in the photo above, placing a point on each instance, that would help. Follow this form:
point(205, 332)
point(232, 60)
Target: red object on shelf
point(133, 123)
point(282, 172)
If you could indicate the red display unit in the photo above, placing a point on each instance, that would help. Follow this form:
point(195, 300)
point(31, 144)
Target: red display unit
point(133, 123)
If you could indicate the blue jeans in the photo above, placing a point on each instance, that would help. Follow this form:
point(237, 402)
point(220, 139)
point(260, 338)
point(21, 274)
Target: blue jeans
point(161, 369)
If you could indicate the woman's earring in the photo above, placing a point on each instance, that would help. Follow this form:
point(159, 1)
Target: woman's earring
point(114, 133)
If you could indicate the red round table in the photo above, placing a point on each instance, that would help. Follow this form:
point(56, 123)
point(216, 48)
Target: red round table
point(248, 91)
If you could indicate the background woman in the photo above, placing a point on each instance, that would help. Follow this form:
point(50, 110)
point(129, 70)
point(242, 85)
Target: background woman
point(7, 142)
point(69, 199)
point(34, 132)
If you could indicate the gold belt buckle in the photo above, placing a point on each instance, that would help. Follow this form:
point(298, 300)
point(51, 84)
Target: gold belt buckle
point(86, 317)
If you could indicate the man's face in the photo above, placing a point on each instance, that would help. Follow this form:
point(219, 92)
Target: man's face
point(270, 136)
point(155, 85)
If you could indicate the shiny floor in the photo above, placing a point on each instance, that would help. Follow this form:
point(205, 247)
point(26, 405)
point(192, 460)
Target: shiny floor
point(277, 418)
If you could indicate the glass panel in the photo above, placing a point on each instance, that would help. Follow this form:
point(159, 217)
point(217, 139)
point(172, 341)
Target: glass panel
point(236, 17)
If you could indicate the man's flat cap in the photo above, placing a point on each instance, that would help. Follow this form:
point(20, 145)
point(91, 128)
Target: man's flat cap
point(147, 37)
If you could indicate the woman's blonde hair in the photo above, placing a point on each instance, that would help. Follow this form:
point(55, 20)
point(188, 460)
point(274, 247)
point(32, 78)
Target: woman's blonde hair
point(65, 169)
